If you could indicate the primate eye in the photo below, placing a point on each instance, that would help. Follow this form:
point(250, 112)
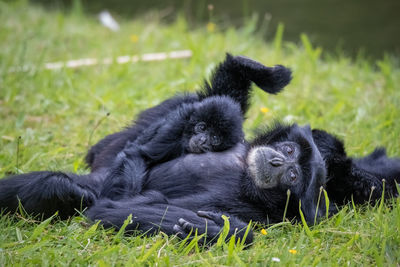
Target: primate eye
point(292, 175)
point(200, 127)
point(289, 149)
point(215, 141)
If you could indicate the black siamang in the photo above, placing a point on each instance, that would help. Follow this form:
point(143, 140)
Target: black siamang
point(210, 125)
point(177, 189)
point(116, 155)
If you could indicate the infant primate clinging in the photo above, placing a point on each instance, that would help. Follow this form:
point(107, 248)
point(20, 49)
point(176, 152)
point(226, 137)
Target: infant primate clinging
point(210, 125)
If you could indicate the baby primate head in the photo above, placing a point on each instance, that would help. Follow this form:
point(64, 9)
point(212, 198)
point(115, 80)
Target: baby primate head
point(215, 125)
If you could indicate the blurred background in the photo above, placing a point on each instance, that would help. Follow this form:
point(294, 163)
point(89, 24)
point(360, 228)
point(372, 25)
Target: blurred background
point(366, 28)
point(69, 77)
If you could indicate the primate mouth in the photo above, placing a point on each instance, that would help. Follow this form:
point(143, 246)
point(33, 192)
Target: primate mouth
point(193, 148)
point(260, 168)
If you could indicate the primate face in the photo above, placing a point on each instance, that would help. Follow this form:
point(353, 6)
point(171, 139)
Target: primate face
point(287, 157)
point(275, 164)
point(215, 125)
point(204, 139)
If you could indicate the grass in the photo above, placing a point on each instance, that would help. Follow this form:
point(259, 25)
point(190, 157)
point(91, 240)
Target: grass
point(55, 112)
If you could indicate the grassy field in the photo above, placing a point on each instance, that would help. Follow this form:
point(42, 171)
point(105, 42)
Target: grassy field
point(55, 115)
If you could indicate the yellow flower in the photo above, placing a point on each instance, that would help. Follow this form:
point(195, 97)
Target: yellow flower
point(211, 27)
point(134, 38)
point(264, 110)
point(293, 251)
point(264, 232)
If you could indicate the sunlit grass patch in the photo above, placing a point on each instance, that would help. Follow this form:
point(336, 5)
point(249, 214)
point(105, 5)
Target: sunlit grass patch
point(59, 113)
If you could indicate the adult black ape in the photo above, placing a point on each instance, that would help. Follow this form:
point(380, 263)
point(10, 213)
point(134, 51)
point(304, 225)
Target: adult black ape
point(48, 192)
point(209, 120)
point(232, 79)
point(250, 183)
point(246, 182)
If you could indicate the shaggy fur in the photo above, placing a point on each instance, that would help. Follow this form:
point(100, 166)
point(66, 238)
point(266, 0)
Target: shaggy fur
point(144, 170)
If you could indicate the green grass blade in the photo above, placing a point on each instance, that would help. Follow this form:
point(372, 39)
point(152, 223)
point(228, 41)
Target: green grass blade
point(327, 204)
point(121, 231)
point(41, 227)
point(225, 231)
point(305, 225)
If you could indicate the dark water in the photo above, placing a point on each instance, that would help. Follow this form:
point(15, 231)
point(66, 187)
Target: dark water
point(371, 27)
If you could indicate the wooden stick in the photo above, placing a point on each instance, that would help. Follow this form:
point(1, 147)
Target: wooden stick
point(82, 62)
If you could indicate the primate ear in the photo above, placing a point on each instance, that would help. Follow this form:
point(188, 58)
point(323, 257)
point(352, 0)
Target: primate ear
point(270, 79)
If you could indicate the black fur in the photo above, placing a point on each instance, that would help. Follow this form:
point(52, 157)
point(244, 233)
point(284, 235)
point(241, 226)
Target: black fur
point(170, 138)
point(175, 192)
point(232, 78)
point(221, 184)
point(358, 178)
point(123, 164)
point(47, 192)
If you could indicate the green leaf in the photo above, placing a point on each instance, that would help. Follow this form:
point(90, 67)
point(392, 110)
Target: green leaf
point(326, 203)
point(121, 231)
point(279, 37)
point(382, 197)
point(19, 235)
point(305, 226)
point(41, 227)
point(193, 243)
point(231, 248)
point(245, 235)
point(225, 231)
point(91, 231)
point(151, 250)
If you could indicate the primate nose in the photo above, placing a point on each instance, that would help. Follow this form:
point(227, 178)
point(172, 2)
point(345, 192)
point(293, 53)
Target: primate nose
point(276, 162)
